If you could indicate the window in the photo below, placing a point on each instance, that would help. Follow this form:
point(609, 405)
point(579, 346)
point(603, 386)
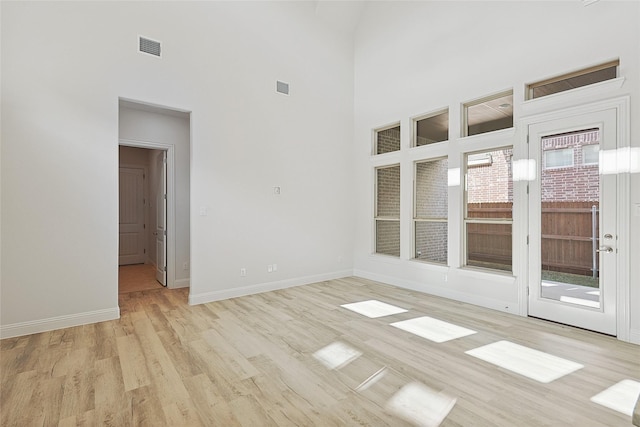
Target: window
point(430, 211)
point(387, 140)
point(560, 158)
point(488, 114)
point(590, 154)
point(387, 210)
point(574, 80)
point(488, 216)
point(431, 129)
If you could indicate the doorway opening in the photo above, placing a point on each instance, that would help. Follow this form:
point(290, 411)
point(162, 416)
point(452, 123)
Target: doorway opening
point(154, 169)
point(142, 233)
point(574, 224)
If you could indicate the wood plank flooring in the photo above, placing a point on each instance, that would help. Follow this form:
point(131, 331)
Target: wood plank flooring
point(250, 362)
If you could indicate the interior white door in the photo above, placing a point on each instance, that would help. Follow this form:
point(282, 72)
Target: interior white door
point(131, 248)
point(161, 221)
point(572, 221)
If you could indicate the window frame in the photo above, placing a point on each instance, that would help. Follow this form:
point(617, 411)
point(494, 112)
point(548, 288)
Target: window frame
point(377, 217)
point(414, 126)
point(376, 131)
point(496, 221)
point(464, 118)
point(571, 165)
point(416, 219)
point(530, 87)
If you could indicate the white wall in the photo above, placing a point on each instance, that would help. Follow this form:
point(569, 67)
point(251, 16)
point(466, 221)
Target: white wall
point(64, 67)
point(412, 58)
point(136, 124)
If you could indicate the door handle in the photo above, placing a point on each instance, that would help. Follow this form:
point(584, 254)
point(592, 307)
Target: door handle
point(607, 249)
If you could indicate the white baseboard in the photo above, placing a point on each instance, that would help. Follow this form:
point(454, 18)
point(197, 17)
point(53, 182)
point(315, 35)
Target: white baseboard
point(59, 322)
point(265, 287)
point(634, 336)
point(491, 303)
point(181, 283)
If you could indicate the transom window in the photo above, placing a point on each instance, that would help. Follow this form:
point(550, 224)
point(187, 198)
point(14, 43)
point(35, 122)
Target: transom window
point(431, 128)
point(387, 140)
point(585, 77)
point(488, 114)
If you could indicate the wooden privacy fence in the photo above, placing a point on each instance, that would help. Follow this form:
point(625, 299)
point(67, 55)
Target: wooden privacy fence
point(567, 236)
point(568, 230)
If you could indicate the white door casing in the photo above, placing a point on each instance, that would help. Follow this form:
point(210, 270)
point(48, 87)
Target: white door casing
point(131, 248)
point(171, 209)
point(601, 318)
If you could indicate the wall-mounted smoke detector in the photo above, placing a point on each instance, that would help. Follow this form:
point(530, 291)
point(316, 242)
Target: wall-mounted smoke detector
point(149, 46)
point(282, 87)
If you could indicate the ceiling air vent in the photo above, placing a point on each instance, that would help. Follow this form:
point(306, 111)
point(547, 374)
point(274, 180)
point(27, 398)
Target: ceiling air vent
point(148, 46)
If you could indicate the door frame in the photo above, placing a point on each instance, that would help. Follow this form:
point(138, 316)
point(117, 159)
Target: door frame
point(622, 107)
point(171, 207)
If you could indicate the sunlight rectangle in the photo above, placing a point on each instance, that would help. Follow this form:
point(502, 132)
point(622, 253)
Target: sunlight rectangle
point(373, 308)
point(533, 364)
point(433, 329)
point(620, 397)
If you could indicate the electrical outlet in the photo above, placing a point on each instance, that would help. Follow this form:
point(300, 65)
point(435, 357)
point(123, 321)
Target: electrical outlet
point(275, 267)
point(185, 266)
point(243, 272)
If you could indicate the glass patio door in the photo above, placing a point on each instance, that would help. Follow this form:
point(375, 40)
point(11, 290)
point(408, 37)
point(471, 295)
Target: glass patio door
point(572, 221)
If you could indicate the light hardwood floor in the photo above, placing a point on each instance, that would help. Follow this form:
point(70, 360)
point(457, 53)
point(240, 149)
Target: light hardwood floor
point(250, 362)
point(137, 277)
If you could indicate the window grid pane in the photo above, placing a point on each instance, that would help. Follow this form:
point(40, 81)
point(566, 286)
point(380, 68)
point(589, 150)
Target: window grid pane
point(489, 210)
point(431, 241)
point(432, 129)
point(388, 192)
point(431, 211)
point(388, 140)
point(489, 245)
point(387, 231)
point(432, 189)
point(388, 237)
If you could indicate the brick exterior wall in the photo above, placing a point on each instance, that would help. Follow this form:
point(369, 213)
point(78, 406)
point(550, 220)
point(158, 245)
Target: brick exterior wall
point(388, 205)
point(388, 238)
point(431, 203)
point(491, 183)
point(388, 189)
point(577, 183)
point(388, 140)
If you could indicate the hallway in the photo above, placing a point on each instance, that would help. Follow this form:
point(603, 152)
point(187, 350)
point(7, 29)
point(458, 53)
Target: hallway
point(137, 277)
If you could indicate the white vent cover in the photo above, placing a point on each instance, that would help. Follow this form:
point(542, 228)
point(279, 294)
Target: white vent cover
point(282, 87)
point(148, 46)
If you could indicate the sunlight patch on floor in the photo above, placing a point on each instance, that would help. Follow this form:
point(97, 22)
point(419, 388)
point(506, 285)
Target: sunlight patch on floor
point(373, 308)
point(621, 397)
point(533, 364)
point(433, 329)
